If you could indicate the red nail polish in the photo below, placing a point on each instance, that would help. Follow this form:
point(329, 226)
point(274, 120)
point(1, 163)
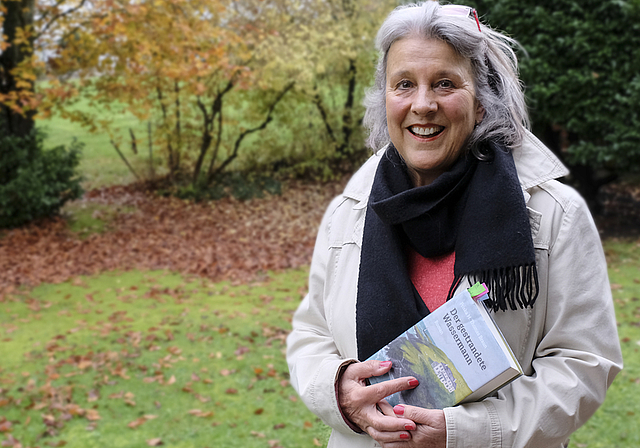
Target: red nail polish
point(404, 436)
point(385, 363)
point(398, 409)
point(409, 427)
point(413, 383)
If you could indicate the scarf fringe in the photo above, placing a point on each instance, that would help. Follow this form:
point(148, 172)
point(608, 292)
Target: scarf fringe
point(514, 288)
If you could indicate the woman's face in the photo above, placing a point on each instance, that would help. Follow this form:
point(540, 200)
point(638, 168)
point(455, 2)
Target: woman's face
point(431, 105)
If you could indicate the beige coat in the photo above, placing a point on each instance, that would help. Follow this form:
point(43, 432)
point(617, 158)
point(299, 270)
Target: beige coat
point(567, 344)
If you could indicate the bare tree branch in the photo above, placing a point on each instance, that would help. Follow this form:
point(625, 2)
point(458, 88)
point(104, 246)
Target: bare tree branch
point(241, 137)
point(58, 16)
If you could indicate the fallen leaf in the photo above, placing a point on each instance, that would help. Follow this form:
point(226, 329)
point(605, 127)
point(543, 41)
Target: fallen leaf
point(137, 422)
point(155, 442)
point(6, 426)
point(199, 413)
point(92, 414)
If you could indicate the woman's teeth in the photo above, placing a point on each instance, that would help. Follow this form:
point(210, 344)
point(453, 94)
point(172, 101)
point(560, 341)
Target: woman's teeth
point(425, 132)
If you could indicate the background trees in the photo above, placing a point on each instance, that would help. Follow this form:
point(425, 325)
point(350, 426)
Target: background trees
point(33, 183)
point(209, 75)
point(582, 77)
point(276, 86)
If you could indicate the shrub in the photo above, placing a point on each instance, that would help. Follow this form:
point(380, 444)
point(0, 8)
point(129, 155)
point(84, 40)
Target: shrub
point(582, 77)
point(35, 183)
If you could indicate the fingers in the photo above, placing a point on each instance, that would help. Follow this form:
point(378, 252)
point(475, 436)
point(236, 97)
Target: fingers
point(433, 418)
point(386, 408)
point(386, 388)
point(364, 405)
point(431, 427)
point(360, 372)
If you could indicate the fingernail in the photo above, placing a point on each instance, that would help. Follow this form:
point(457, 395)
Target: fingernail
point(409, 427)
point(385, 363)
point(398, 409)
point(404, 436)
point(413, 382)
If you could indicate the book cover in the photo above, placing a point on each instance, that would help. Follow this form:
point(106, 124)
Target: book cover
point(457, 353)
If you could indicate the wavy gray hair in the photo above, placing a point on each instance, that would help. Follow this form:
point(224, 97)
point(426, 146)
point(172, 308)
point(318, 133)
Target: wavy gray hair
point(494, 67)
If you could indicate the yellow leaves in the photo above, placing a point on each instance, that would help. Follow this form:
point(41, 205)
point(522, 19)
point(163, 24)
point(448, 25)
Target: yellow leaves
point(92, 415)
point(24, 37)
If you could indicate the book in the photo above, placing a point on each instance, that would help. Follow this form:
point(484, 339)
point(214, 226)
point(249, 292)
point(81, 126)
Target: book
point(457, 352)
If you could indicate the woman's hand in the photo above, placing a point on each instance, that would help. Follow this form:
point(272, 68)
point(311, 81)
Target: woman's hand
point(365, 405)
point(431, 428)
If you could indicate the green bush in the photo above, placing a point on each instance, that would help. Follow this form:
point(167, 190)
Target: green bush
point(35, 183)
point(582, 77)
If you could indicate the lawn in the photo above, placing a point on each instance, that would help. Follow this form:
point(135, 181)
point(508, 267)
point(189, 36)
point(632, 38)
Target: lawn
point(132, 359)
point(129, 359)
point(100, 163)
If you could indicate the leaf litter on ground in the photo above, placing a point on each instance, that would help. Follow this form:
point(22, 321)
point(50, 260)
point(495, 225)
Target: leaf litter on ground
point(226, 239)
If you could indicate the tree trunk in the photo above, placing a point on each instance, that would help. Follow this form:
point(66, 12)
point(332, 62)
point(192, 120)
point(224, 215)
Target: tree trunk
point(19, 15)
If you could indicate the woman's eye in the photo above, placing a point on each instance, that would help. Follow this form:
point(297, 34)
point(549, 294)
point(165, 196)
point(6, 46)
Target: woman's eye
point(404, 84)
point(445, 84)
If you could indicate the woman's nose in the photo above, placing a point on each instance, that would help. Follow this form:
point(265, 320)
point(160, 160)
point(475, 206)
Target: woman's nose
point(424, 102)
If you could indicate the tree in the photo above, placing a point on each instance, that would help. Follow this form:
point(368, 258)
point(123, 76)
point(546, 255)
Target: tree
point(329, 49)
point(16, 77)
point(23, 24)
point(582, 75)
point(34, 183)
point(174, 62)
point(210, 75)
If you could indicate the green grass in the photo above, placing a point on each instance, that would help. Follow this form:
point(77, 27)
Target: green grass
point(100, 164)
point(192, 363)
point(198, 364)
point(86, 218)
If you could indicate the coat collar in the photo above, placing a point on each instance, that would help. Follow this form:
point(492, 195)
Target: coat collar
point(535, 163)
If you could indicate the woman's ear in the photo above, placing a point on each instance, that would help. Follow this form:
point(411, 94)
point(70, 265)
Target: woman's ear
point(479, 113)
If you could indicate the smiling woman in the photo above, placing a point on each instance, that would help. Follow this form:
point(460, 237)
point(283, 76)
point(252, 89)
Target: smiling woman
point(458, 191)
point(431, 105)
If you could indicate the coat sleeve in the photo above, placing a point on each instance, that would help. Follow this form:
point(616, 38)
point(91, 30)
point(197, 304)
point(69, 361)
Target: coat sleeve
point(577, 354)
point(313, 358)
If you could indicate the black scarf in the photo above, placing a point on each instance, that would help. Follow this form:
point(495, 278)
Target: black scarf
point(476, 209)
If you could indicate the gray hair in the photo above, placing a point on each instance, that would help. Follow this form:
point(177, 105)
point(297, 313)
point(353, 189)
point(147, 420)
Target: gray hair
point(494, 67)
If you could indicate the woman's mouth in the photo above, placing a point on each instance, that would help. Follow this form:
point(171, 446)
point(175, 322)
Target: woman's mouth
point(425, 131)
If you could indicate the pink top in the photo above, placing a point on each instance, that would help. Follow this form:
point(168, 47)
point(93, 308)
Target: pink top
point(432, 277)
